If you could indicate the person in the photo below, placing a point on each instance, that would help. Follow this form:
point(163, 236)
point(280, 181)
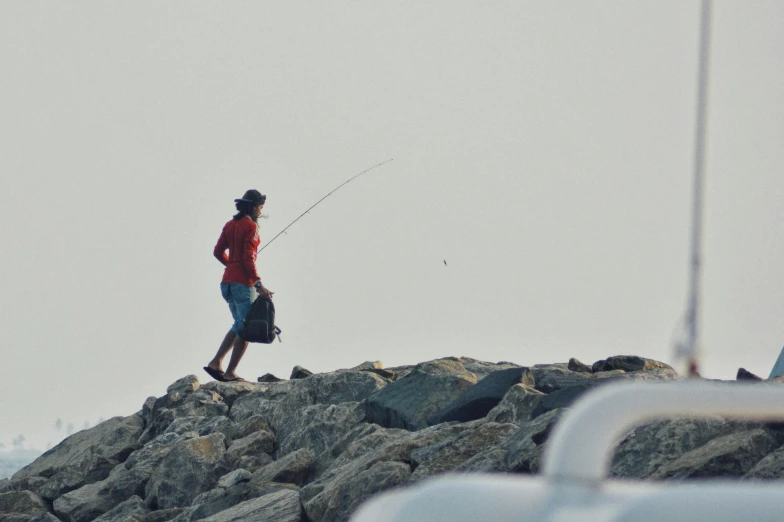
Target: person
point(241, 284)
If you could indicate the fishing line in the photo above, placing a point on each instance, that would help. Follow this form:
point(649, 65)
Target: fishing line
point(319, 201)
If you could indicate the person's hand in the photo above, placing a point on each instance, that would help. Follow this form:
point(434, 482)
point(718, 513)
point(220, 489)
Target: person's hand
point(265, 293)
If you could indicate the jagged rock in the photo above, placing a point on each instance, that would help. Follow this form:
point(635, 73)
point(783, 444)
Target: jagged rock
point(477, 401)
point(648, 447)
point(259, 489)
point(93, 500)
point(516, 406)
point(61, 483)
point(349, 494)
point(230, 491)
point(745, 375)
point(281, 506)
point(448, 455)
point(5, 485)
point(317, 427)
point(294, 468)
point(770, 467)
point(408, 403)
point(184, 385)
point(402, 371)
point(628, 363)
point(368, 365)
point(553, 378)
point(300, 373)
point(268, 377)
point(46, 517)
point(33, 483)
point(253, 463)
point(577, 366)
point(381, 372)
point(361, 439)
point(201, 425)
point(249, 426)
point(235, 477)
point(732, 455)
point(230, 391)
point(276, 402)
point(92, 452)
point(191, 467)
point(262, 441)
point(132, 510)
point(21, 503)
point(176, 404)
point(163, 515)
point(481, 368)
point(524, 446)
point(147, 459)
point(563, 397)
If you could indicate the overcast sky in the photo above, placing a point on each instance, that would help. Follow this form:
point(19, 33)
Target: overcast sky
point(542, 149)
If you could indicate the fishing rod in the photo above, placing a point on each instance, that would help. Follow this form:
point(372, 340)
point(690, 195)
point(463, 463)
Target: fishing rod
point(322, 199)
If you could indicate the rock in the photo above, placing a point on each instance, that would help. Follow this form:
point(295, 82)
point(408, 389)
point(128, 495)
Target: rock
point(349, 494)
point(252, 463)
point(381, 372)
point(300, 373)
point(481, 368)
point(577, 366)
point(477, 401)
point(553, 378)
point(648, 447)
point(132, 510)
point(294, 468)
point(629, 363)
point(22, 503)
point(5, 485)
point(259, 489)
point(230, 391)
point(409, 402)
point(745, 375)
point(268, 377)
point(191, 467)
point(219, 499)
point(184, 386)
point(250, 425)
point(91, 453)
point(564, 397)
point(147, 459)
point(235, 477)
point(262, 441)
point(317, 427)
point(93, 500)
point(163, 515)
point(449, 454)
point(61, 483)
point(516, 406)
point(281, 506)
point(360, 440)
point(368, 365)
point(46, 517)
point(201, 425)
point(174, 405)
point(524, 447)
point(770, 467)
point(732, 455)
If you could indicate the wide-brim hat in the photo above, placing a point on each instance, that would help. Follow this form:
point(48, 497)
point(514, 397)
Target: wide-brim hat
point(252, 196)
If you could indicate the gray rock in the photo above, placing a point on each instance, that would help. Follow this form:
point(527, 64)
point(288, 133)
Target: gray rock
point(147, 459)
point(516, 406)
point(93, 500)
point(22, 503)
point(174, 405)
point(368, 365)
point(202, 425)
point(477, 401)
point(732, 455)
point(268, 377)
point(61, 483)
point(234, 477)
point(281, 506)
point(191, 467)
point(577, 366)
point(300, 373)
point(5, 485)
point(46, 517)
point(33, 483)
point(381, 372)
point(564, 397)
point(262, 441)
point(770, 467)
point(249, 426)
point(214, 501)
point(450, 454)
point(132, 510)
point(409, 402)
point(259, 489)
point(294, 468)
point(553, 378)
point(92, 452)
point(648, 447)
point(184, 386)
point(745, 375)
point(524, 446)
point(253, 463)
point(343, 498)
point(481, 368)
point(230, 391)
point(360, 440)
point(628, 363)
point(317, 427)
point(163, 515)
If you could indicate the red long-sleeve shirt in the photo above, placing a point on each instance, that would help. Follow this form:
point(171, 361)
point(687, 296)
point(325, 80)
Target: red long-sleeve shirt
point(241, 238)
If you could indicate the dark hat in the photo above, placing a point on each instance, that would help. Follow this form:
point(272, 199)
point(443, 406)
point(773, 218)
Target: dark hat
point(252, 196)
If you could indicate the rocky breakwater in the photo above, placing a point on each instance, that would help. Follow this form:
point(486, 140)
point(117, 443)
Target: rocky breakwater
point(312, 448)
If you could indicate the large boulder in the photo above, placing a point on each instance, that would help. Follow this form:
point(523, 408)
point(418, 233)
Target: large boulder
point(629, 363)
point(93, 500)
point(262, 441)
point(516, 406)
point(409, 402)
point(770, 467)
point(294, 468)
point(86, 456)
point(132, 510)
point(525, 446)
point(230, 491)
point(317, 427)
point(563, 397)
point(184, 398)
point(477, 401)
point(482, 368)
point(192, 467)
point(550, 378)
point(280, 506)
point(732, 455)
point(21, 503)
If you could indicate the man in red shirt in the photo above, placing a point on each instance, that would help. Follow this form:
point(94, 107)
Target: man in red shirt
point(241, 284)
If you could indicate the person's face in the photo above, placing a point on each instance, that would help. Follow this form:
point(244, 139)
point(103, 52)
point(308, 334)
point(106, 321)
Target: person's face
point(257, 210)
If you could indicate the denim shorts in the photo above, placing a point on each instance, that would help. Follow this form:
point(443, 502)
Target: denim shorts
point(239, 297)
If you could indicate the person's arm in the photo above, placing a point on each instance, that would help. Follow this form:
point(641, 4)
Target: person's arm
point(220, 249)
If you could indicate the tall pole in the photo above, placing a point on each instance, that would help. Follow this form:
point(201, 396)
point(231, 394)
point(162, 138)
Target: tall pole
point(691, 352)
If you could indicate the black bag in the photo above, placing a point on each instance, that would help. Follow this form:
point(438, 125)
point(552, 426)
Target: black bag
point(259, 325)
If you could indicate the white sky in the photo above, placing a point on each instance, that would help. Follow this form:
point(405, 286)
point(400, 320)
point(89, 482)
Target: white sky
point(543, 149)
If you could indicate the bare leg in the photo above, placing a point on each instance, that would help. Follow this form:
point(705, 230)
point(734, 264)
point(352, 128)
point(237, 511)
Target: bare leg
point(217, 362)
point(240, 345)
